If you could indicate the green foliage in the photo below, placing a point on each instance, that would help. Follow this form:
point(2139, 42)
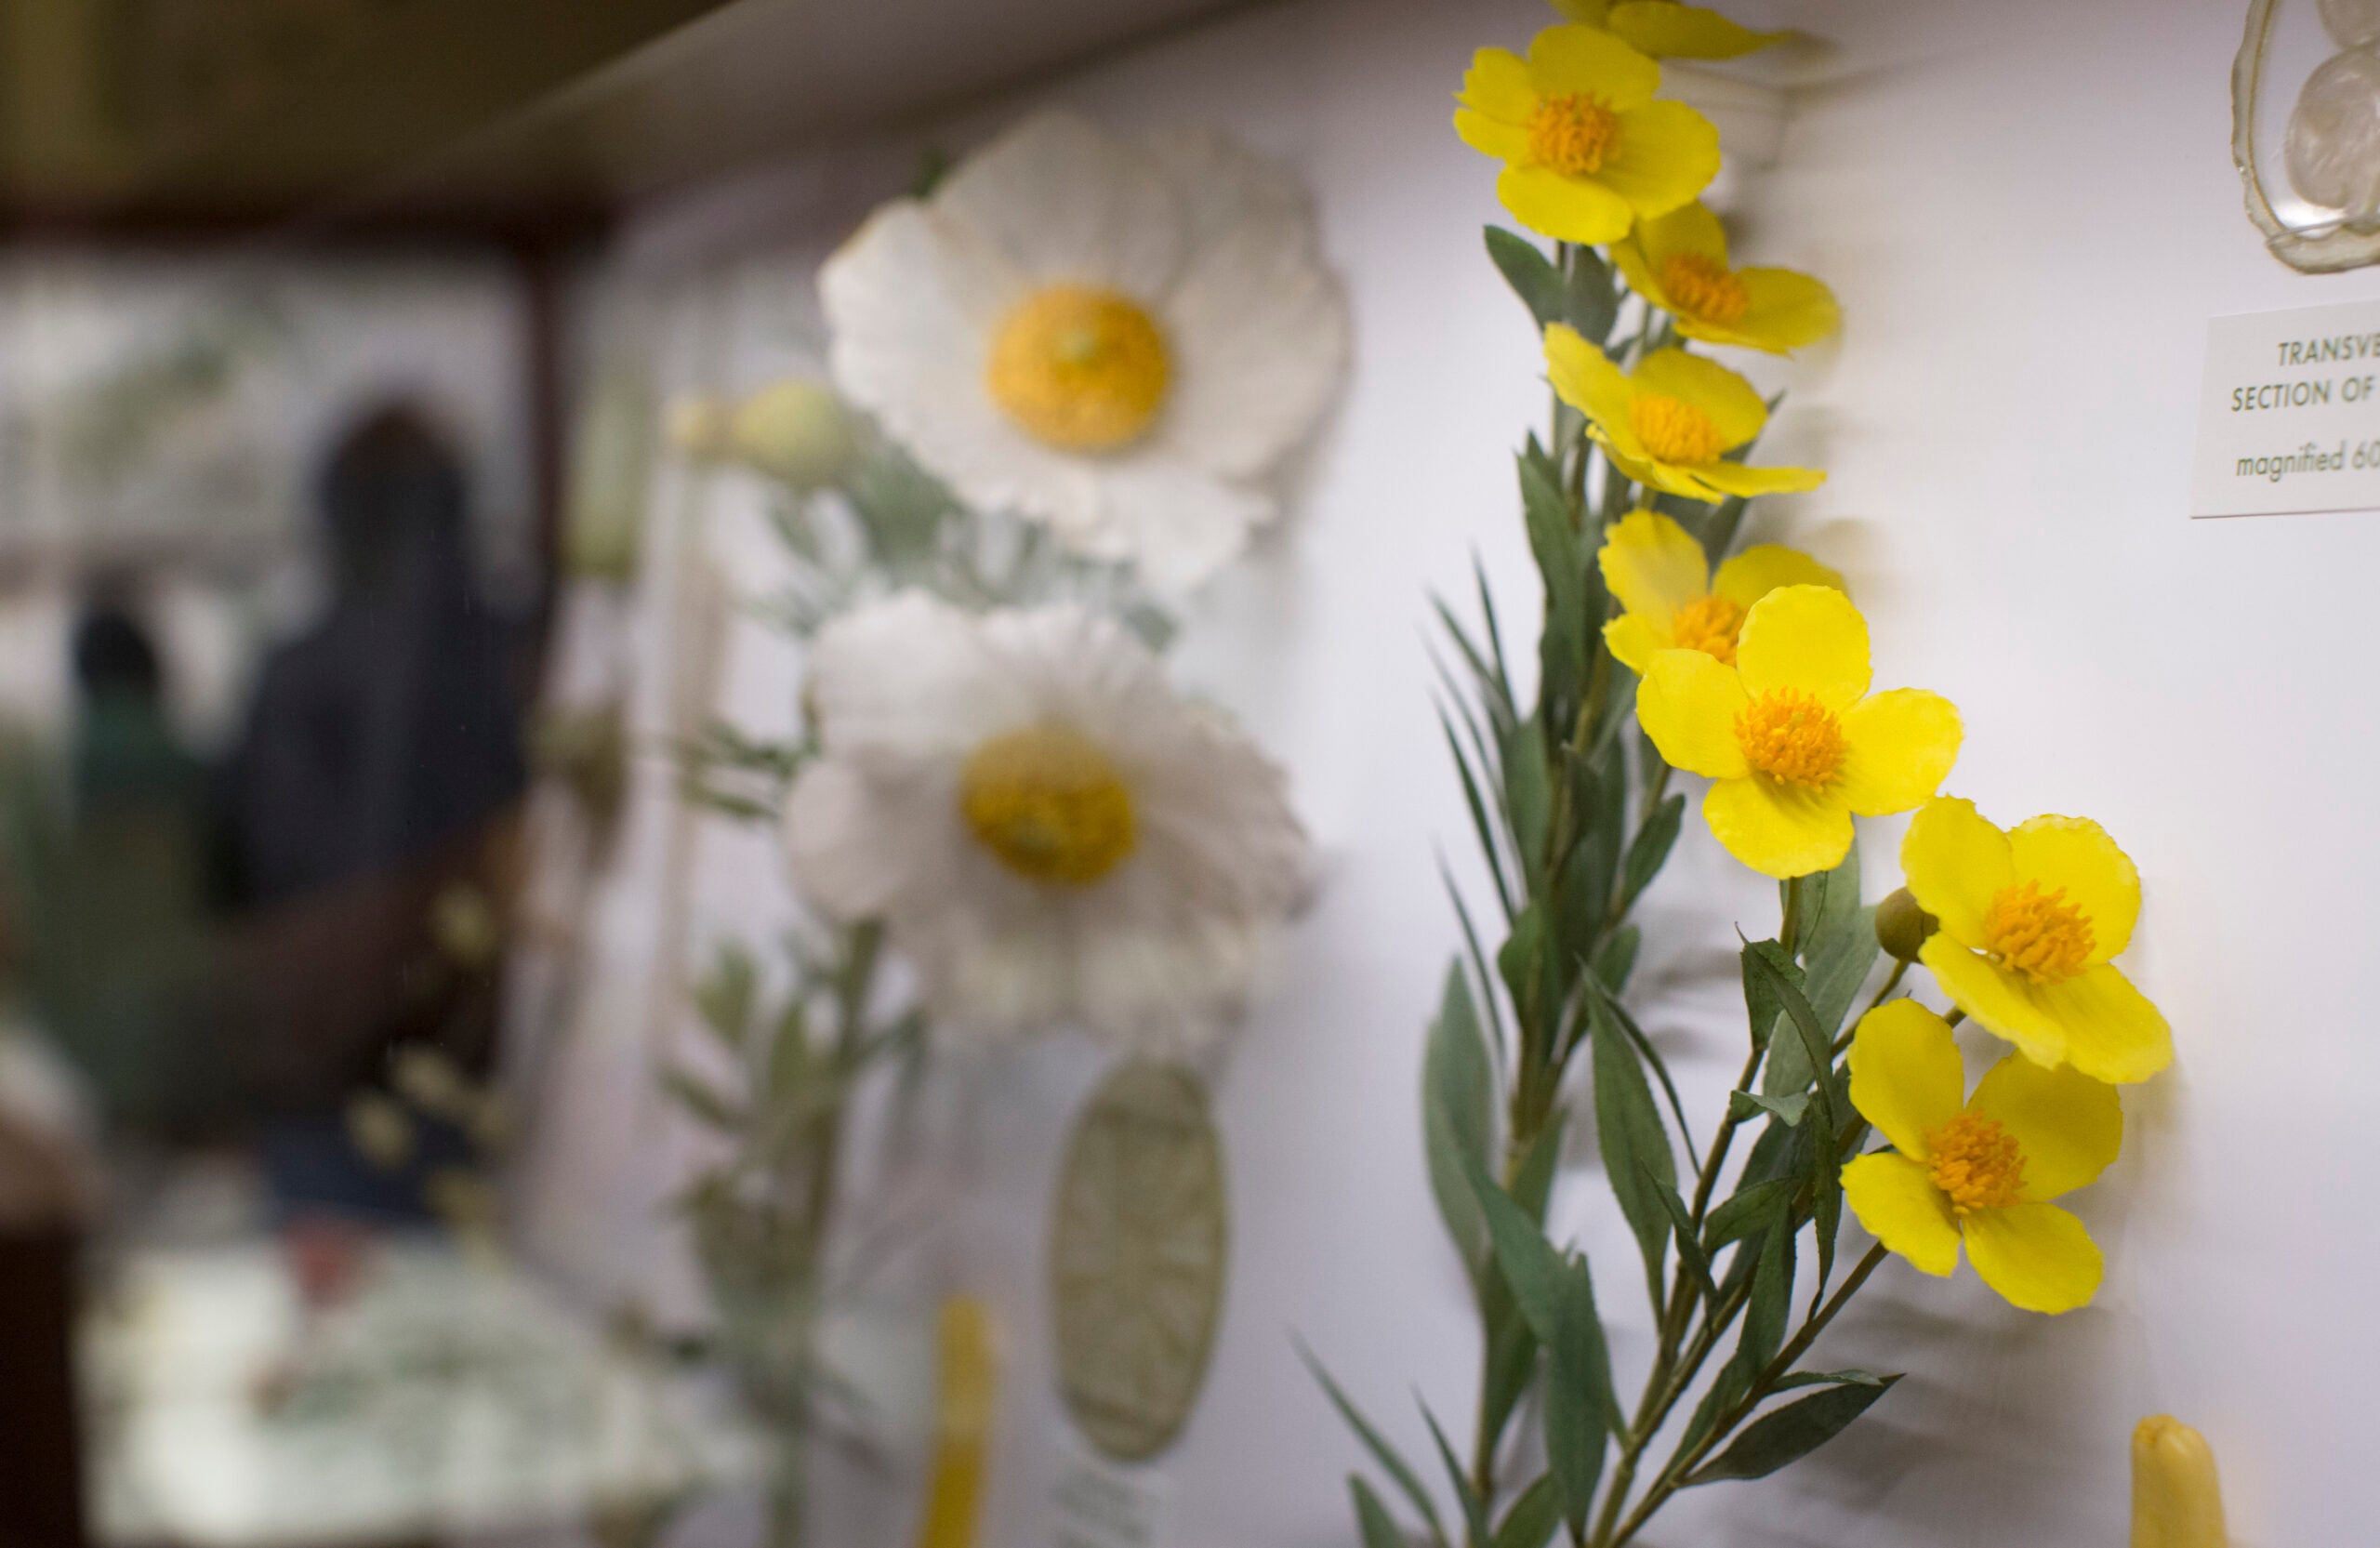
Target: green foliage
point(1458, 1099)
point(1794, 1431)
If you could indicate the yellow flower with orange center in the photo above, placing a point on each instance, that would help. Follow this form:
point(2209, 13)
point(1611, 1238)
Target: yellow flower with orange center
point(1678, 262)
point(1674, 599)
point(1667, 28)
point(1792, 741)
point(2030, 922)
point(1586, 150)
point(1672, 422)
point(1978, 1173)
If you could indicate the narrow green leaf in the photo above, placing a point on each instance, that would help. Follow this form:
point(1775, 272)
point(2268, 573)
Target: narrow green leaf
point(698, 1097)
point(1651, 847)
point(1530, 273)
point(1772, 1296)
point(1762, 1007)
point(1457, 1115)
point(1475, 1511)
point(1372, 1517)
point(1519, 960)
point(1592, 299)
point(1484, 832)
point(1556, 1295)
point(1532, 1521)
point(1789, 1433)
point(1393, 1465)
point(1817, 1043)
point(1786, 1109)
point(1563, 649)
point(1635, 1147)
point(1832, 1379)
point(725, 996)
point(1689, 1246)
point(1528, 796)
point(1746, 1211)
point(1616, 959)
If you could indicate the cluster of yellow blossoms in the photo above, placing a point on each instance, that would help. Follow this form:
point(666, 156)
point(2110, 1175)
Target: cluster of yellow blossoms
point(1757, 676)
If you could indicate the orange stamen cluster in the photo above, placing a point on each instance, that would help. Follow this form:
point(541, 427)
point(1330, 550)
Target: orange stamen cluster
point(1791, 735)
point(1704, 289)
point(1709, 625)
point(1977, 1163)
point(1575, 133)
point(2037, 934)
point(1674, 430)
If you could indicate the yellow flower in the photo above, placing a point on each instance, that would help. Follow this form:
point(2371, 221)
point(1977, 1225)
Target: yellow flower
point(1982, 1173)
point(2030, 919)
point(1792, 741)
point(1678, 262)
point(1668, 30)
point(2176, 1502)
point(1671, 421)
point(1674, 601)
point(1586, 148)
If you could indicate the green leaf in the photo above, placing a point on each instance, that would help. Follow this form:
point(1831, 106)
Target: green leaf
point(1747, 1211)
point(1382, 1453)
point(1617, 957)
point(1556, 1295)
point(1475, 1511)
point(1593, 299)
point(1530, 273)
point(1636, 1156)
point(1762, 1007)
point(1689, 1246)
point(1790, 1433)
point(698, 1097)
point(1772, 1296)
point(725, 997)
point(1842, 942)
point(1563, 648)
point(1651, 848)
point(1372, 1517)
point(1532, 1521)
point(1510, 1359)
point(1832, 1379)
point(1480, 826)
point(1520, 960)
point(1528, 796)
point(1457, 1115)
point(1785, 1109)
point(1816, 1044)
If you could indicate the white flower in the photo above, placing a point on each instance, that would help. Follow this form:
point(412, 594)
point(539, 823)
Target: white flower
point(1117, 339)
point(1048, 832)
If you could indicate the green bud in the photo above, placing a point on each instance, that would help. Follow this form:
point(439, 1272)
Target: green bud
point(1902, 926)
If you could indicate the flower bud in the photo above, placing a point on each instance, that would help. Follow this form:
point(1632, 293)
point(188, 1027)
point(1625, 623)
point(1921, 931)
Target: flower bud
point(1903, 927)
point(798, 431)
point(2175, 1502)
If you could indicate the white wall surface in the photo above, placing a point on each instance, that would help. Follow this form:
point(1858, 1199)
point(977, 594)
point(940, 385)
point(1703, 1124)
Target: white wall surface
point(2028, 212)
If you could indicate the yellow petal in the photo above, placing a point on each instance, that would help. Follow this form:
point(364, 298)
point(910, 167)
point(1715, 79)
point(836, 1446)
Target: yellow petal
point(1777, 830)
point(1906, 1077)
point(2114, 1032)
point(1572, 59)
point(1496, 85)
point(1806, 636)
point(1689, 229)
point(1633, 640)
point(1756, 572)
point(1668, 153)
point(1586, 380)
point(2037, 1256)
point(1897, 749)
point(1653, 565)
point(2000, 1001)
point(2176, 1500)
point(2099, 878)
point(1750, 482)
point(1637, 268)
point(1568, 209)
point(1688, 703)
point(1627, 456)
point(1735, 409)
point(1492, 137)
point(1956, 863)
point(1900, 1207)
point(1669, 30)
point(1784, 309)
point(2068, 1126)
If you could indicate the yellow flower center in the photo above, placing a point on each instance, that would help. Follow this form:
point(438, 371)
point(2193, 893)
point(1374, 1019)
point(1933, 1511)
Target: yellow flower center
point(1049, 804)
point(1788, 734)
point(1079, 367)
point(2037, 934)
point(1703, 287)
point(1674, 430)
point(1977, 1163)
point(1709, 625)
point(1574, 133)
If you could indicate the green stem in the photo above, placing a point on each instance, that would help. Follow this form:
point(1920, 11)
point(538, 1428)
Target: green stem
point(1789, 932)
point(1685, 1462)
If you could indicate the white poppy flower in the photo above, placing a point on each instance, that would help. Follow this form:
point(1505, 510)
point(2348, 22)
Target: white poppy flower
point(1117, 338)
point(1048, 832)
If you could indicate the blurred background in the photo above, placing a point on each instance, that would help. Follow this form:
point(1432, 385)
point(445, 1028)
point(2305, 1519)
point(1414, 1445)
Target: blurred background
point(333, 649)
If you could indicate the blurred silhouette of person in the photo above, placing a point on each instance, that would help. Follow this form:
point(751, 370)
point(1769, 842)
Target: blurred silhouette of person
point(394, 724)
point(121, 949)
point(379, 770)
